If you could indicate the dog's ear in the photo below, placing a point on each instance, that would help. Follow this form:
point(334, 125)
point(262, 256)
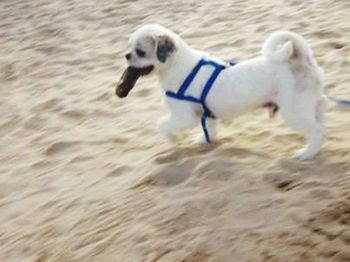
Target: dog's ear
point(164, 47)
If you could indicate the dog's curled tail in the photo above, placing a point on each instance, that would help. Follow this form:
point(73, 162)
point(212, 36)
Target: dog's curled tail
point(286, 46)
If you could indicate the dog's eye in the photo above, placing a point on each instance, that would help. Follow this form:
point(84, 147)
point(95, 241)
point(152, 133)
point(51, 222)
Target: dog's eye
point(140, 53)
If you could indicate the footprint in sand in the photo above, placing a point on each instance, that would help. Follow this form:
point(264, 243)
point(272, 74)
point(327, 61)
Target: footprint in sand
point(218, 170)
point(320, 193)
point(163, 158)
point(332, 223)
point(337, 45)
point(167, 175)
point(182, 153)
point(283, 182)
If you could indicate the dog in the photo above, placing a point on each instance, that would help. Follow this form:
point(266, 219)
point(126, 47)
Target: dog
point(285, 77)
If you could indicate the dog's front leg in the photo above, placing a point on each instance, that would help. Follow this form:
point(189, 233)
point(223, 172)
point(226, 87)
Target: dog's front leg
point(182, 116)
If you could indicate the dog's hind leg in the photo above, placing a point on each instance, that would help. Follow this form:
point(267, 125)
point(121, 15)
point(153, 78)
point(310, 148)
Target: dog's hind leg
point(307, 117)
point(315, 136)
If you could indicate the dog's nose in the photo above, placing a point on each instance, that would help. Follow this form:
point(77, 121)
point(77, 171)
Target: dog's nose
point(128, 56)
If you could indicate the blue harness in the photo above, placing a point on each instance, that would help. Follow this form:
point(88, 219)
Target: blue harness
point(180, 94)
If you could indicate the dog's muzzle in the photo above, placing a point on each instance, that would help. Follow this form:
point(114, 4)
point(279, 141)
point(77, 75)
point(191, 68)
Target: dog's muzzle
point(129, 78)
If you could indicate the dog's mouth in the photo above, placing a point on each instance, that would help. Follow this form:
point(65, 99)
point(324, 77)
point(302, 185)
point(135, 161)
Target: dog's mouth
point(129, 78)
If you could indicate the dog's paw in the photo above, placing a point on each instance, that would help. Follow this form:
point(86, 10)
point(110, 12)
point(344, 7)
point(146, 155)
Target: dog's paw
point(200, 140)
point(303, 155)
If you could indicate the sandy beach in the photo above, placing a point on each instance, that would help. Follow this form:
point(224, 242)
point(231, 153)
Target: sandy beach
point(85, 176)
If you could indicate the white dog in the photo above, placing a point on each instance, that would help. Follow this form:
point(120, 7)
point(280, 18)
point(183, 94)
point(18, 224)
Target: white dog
point(286, 75)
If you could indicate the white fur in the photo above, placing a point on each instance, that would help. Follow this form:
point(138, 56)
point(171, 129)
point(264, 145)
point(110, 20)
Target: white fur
point(286, 74)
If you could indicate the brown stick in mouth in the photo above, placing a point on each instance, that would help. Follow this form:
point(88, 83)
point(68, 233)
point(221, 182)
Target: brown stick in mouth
point(129, 78)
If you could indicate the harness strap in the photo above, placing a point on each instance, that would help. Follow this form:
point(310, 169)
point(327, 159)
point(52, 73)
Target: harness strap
point(207, 88)
point(180, 94)
point(190, 78)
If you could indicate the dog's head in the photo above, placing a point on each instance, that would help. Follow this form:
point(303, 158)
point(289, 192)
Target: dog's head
point(151, 48)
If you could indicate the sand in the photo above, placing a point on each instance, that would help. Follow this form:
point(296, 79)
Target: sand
point(85, 176)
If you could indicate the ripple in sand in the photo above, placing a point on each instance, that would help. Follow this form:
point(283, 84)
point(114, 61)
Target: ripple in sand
point(54, 104)
point(35, 122)
point(143, 92)
point(42, 164)
point(60, 147)
point(120, 170)
point(74, 114)
point(79, 159)
point(9, 125)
